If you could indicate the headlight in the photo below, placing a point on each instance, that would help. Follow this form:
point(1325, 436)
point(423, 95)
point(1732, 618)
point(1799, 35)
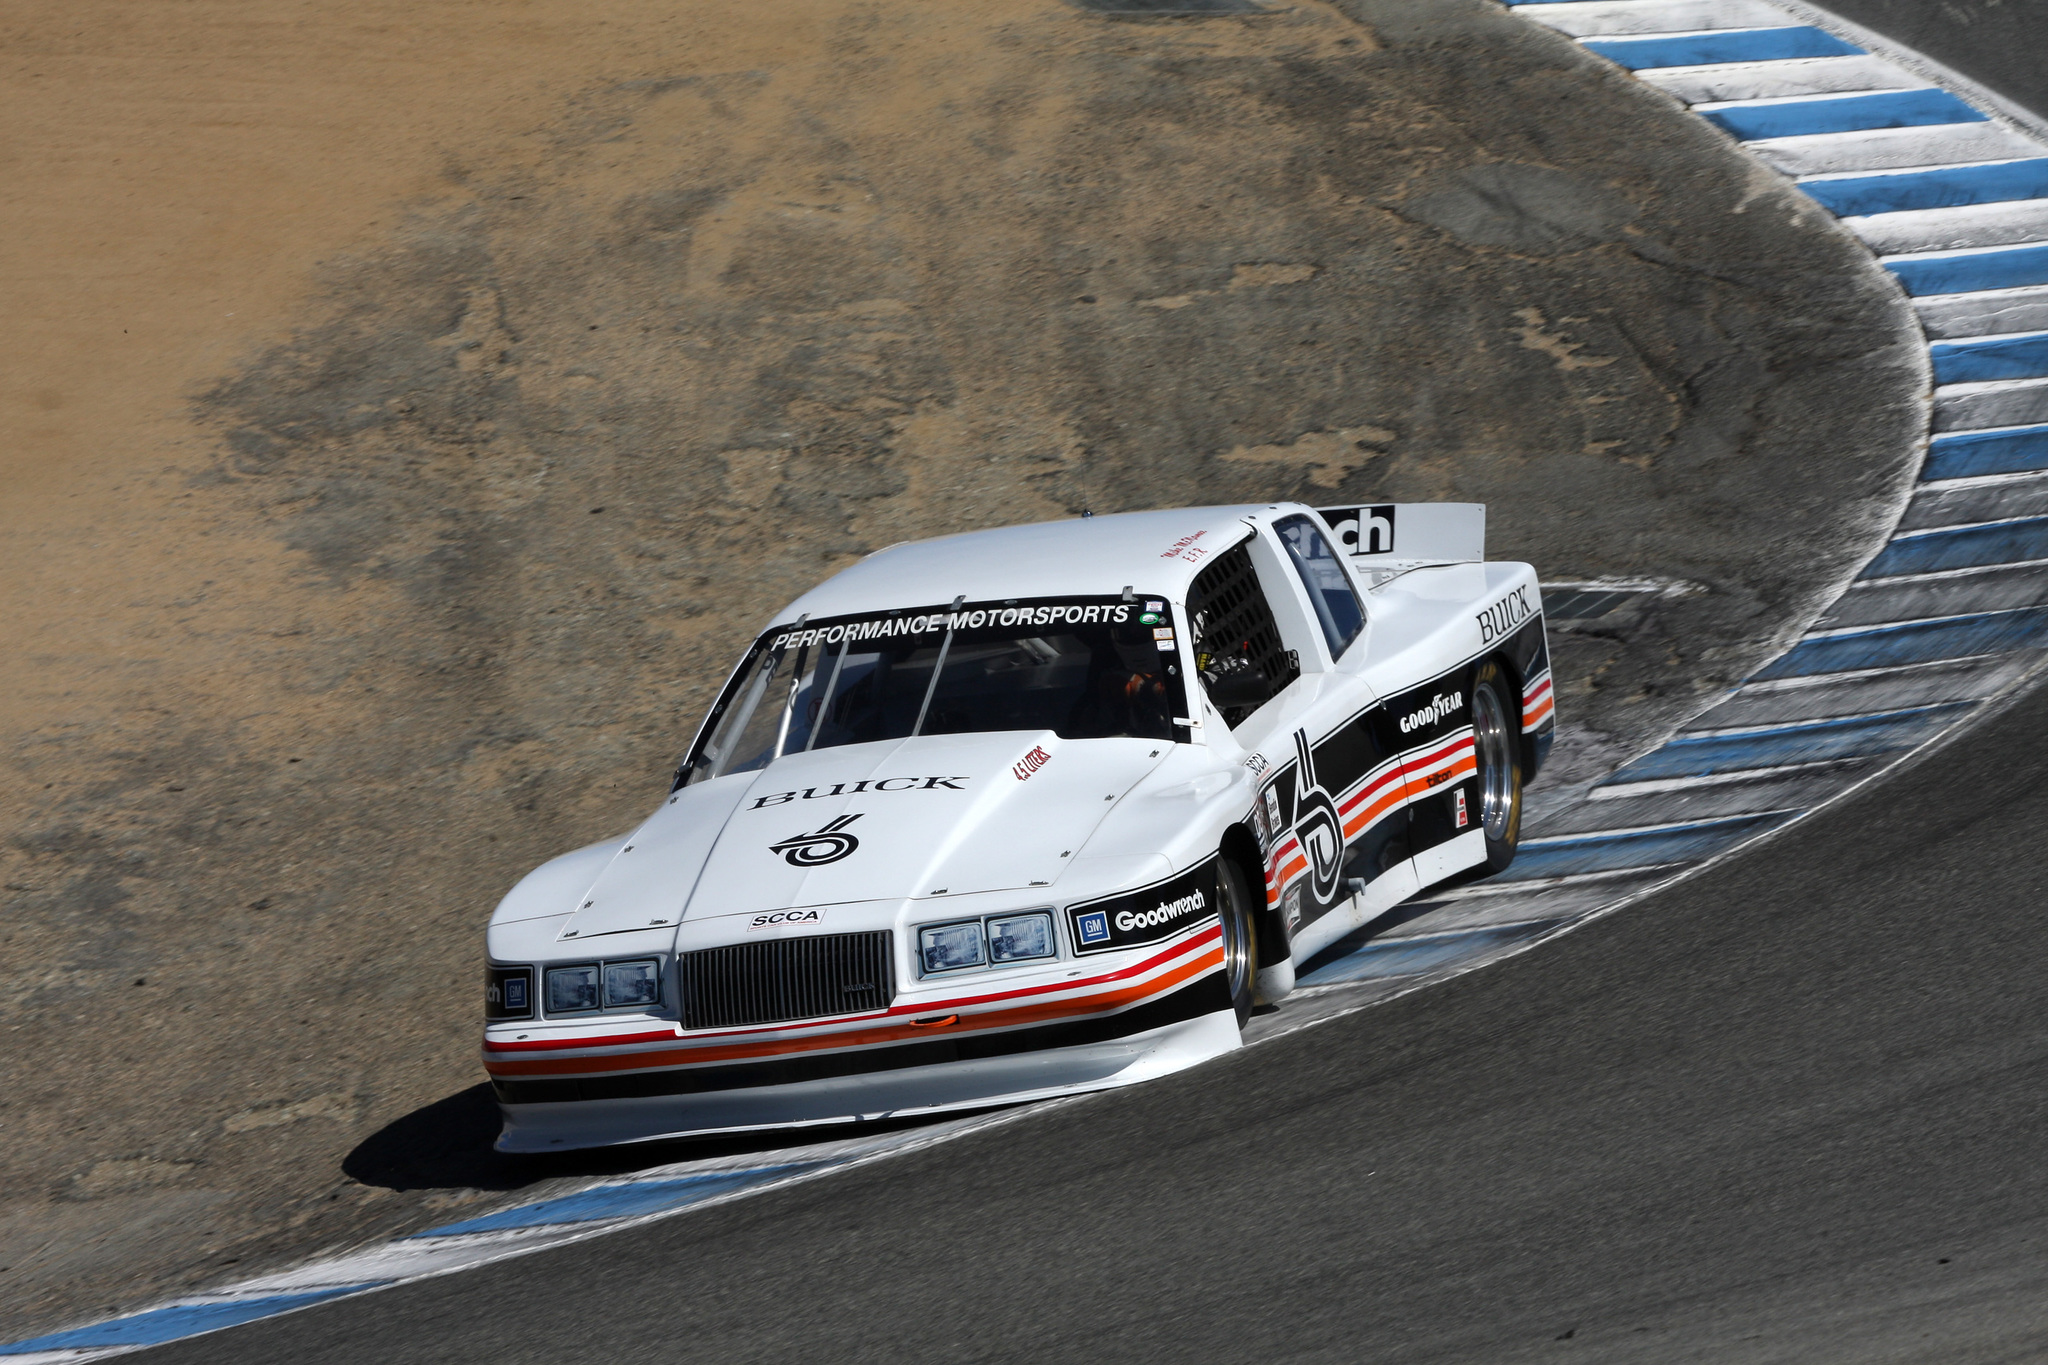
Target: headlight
point(629, 985)
point(947, 947)
point(1019, 938)
point(508, 993)
point(571, 989)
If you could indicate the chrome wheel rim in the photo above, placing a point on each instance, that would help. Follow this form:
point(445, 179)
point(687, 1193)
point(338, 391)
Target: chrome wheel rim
point(1237, 957)
point(1496, 767)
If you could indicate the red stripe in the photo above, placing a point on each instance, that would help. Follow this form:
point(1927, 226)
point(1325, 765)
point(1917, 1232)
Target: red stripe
point(699, 1054)
point(919, 1007)
point(1285, 860)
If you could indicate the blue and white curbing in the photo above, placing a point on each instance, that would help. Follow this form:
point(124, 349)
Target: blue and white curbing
point(575, 1216)
point(1948, 186)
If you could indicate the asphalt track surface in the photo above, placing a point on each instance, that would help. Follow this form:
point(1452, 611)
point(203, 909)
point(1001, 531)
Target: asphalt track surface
point(2002, 44)
point(1790, 1109)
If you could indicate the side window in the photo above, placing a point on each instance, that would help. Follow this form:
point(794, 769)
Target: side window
point(1237, 645)
point(1329, 588)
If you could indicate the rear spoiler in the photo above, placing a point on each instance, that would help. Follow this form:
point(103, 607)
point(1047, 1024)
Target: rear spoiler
point(1387, 538)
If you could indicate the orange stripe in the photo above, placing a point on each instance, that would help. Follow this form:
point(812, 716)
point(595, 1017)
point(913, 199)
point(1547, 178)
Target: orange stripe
point(1043, 1011)
point(1533, 714)
point(917, 1007)
point(1376, 810)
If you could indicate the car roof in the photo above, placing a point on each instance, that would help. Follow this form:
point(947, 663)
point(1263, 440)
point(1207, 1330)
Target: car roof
point(1155, 553)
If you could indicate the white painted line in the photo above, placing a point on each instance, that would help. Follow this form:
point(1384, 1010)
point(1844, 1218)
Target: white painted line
point(1932, 486)
point(1946, 230)
point(1771, 80)
point(1671, 827)
point(1983, 312)
point(1870, 585)
point(1793, 100)
point(1995, 403)
point(1949, 528)
point(1619, 789)
point(1604, 18)
point(1790, 727)
point(1905, 171)
point(1890, 149)
point(1891, 258)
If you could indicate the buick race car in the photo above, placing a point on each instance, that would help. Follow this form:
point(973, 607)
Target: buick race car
point(1027, 812)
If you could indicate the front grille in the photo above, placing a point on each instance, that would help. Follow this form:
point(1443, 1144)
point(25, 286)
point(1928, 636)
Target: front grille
point(788, 978)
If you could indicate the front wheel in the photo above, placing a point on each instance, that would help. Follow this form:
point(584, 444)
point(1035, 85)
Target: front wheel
point(1240, 939)
point(1497, 742)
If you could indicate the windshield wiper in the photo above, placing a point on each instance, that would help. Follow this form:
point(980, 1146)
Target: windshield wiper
point(938, 665)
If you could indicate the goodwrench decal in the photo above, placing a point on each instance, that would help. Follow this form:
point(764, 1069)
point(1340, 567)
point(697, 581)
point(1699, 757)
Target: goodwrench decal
point(1317, 825)
point(827, 845)
point(1152, 915)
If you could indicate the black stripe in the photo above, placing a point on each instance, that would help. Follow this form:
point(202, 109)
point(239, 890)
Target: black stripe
point(1205, 996)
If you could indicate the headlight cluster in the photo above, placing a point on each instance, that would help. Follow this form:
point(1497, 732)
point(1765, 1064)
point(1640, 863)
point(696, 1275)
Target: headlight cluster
point(578, 988)
point(993, 940)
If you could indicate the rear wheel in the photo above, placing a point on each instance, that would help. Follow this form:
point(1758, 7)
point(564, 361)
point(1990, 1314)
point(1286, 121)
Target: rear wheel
point(1497, 739)
point(1240, 939)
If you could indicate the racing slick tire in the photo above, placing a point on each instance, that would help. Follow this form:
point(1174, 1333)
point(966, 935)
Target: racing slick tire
point(1497, 747)
point(1240, 939)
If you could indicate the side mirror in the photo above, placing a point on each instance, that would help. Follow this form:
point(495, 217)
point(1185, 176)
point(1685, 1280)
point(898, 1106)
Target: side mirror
point(1243, 688)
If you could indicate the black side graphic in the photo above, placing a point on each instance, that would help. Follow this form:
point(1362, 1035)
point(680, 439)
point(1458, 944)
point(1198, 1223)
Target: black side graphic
point(1318, 826)
point(1151, 915)
point(828, 845)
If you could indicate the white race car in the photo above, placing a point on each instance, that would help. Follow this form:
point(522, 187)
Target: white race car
point(1027, 812)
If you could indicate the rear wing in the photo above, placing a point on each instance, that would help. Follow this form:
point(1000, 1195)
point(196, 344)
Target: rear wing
point(1384, 539)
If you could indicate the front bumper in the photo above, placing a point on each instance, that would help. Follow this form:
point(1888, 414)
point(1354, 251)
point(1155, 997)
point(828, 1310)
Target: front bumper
point(1157, 1013)
point(554, 1126)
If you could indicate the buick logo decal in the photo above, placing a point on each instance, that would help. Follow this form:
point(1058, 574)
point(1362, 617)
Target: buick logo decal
point(828, 845)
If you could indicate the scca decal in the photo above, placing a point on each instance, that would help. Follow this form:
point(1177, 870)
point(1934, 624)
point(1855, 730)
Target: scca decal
point(786, 919)
point(887, 784)
point(1141, 917)
point(1504, 615)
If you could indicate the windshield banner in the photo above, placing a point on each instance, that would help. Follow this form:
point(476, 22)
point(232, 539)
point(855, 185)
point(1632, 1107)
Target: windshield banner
point(899, 625)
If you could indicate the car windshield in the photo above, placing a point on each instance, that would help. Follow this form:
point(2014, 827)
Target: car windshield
point(1084, 668)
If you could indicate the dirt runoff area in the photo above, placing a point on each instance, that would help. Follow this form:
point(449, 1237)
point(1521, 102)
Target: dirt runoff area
point(410, 409)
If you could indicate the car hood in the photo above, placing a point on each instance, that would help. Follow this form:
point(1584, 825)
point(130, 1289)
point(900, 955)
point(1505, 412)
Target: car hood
point(938, 814)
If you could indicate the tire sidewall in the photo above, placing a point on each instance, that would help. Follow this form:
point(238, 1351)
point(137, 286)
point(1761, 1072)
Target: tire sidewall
point(1500, 852)
point(1236, 918)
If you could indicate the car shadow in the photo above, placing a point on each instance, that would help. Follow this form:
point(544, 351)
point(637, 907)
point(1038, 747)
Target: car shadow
point(447, 1145)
